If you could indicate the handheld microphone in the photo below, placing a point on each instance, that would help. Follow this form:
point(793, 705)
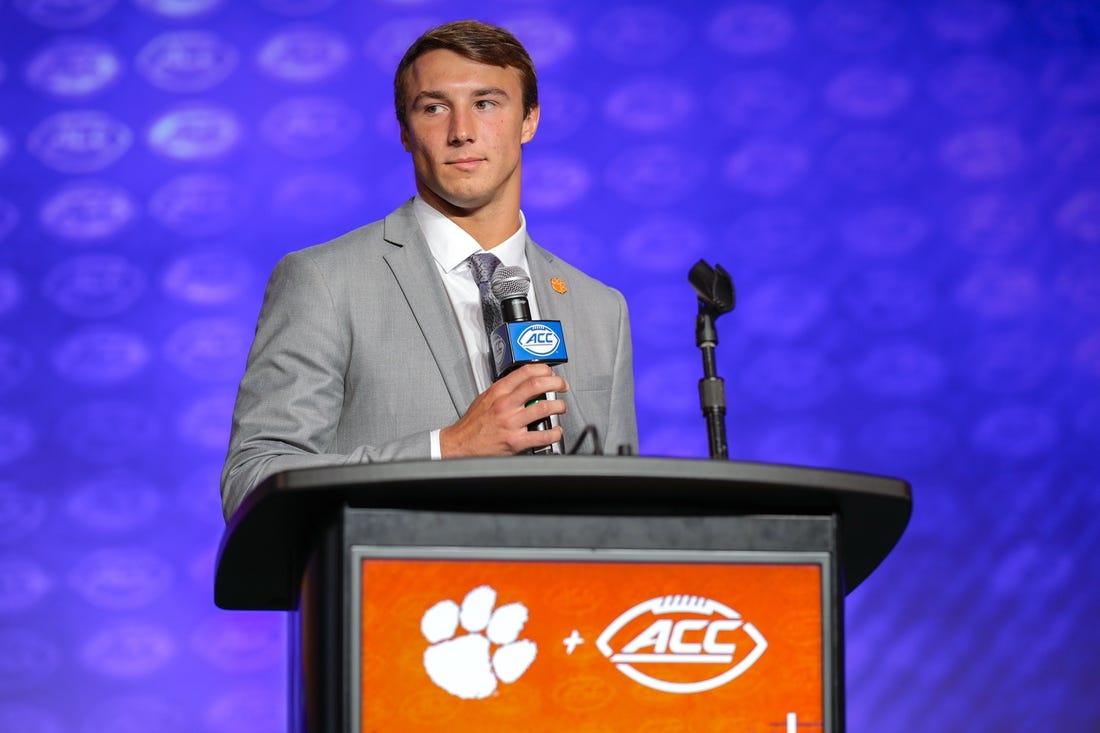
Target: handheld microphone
point(510, 286)
point(521, 340)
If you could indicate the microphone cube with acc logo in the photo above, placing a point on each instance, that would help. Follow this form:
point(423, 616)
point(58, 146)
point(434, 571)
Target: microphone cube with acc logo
point(528, 342)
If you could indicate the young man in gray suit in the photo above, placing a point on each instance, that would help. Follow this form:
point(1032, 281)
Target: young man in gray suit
point(372, 347)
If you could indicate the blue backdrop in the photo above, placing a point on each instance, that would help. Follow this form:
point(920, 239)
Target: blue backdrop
point(907, 194)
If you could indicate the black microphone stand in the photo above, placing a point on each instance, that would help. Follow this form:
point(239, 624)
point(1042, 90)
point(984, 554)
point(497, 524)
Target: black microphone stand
point(714, 287)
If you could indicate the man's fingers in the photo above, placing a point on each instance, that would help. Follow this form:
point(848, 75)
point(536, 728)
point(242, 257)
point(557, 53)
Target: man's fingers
point(541, 409)
point(536, 384)
point(525, 413)
point(534, 439)
point(540, 385)
point(514, 378)
point(532, 379)
point(496, 422)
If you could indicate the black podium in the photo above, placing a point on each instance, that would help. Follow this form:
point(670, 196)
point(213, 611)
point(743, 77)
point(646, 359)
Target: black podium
point(551, 593)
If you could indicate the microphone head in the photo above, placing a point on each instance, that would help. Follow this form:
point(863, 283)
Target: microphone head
point(510, 282)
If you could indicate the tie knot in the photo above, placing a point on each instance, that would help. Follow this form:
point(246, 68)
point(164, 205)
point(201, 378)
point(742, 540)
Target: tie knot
point(483, 264)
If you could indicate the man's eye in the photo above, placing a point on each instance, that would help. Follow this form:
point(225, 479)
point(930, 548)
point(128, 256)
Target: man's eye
point(432, 109)
point(484, 104)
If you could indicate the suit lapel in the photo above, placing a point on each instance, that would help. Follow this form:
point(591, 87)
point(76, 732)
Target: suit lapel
point(417, 276)
point(555, 306)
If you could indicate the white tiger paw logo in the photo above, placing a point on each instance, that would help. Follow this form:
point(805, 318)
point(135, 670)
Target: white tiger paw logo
point(467, 666)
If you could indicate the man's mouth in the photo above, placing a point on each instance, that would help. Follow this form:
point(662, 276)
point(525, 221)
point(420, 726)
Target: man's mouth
point(466, 164)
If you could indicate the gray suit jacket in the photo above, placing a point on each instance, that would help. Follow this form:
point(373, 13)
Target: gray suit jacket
point(358, 357)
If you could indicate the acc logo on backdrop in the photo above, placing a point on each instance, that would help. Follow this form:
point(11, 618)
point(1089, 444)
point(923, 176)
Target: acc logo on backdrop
point(554, 182)
point(87, 210)
point(94, 286)
point(100, 356)
point(63, 14)
point(681, 644)
point(304, 55)
point(179, 9)
point(204, 348)
point(129, 650)
point(311, 127)
point(239, 644)
point(109, 431)
point(317, 195)
point(199, 204)
point(81, 141)
point(110, 503)
point(195, 131)
point(121, 578)
point(74, 67)
point(186, 61)
point(208, 277)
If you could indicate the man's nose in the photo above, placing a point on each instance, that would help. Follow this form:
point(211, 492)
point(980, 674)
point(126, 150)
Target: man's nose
point(461, 128)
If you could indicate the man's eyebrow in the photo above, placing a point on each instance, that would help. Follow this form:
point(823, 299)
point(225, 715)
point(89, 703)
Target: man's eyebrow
point(490, 91)
point(438, 96)
point(443, 97)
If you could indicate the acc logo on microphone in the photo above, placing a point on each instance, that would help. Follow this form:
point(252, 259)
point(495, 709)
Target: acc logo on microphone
point(538, 339)
point(499, 348)
point(681, 644)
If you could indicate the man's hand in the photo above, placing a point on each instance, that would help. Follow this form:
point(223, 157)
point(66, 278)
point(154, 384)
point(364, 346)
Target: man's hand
point(496, 422)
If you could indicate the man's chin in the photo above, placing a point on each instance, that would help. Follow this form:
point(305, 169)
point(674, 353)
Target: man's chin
point(462, 202)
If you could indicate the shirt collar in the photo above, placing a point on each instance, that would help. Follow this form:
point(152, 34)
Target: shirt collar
point(451, 246)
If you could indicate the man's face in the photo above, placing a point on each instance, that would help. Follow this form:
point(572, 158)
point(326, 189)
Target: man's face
point(465, 128)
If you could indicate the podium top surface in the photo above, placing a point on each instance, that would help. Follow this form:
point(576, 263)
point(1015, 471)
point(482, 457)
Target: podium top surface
point(263, 550)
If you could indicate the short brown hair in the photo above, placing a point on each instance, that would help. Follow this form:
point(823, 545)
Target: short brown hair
point(477, 41)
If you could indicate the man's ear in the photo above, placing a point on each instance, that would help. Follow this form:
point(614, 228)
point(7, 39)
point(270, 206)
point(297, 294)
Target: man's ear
point(404, 137)
point(530, 124)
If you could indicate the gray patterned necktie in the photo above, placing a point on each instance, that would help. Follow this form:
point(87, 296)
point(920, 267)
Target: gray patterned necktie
point(483, 265)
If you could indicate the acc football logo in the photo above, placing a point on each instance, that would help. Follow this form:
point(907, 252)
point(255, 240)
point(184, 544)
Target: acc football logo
point(87, 210)
point(63, 14)
point(681, 644)
point(199, 204)
point(179, 9)
point(79, 141)
point(74, 67)
point(538, 339)
point(304, 55)
point(498, 346)
point(195, 131)
point(311, 127)
point(186, 61)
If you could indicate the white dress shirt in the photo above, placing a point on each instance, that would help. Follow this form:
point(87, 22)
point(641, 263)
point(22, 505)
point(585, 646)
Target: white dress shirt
point(451, 247)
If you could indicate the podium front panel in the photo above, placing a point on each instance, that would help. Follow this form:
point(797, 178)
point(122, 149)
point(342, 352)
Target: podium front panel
point(610, 640)
point(472, 622)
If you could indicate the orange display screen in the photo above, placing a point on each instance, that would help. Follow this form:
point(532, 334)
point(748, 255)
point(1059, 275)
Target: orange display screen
point(581, 646)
